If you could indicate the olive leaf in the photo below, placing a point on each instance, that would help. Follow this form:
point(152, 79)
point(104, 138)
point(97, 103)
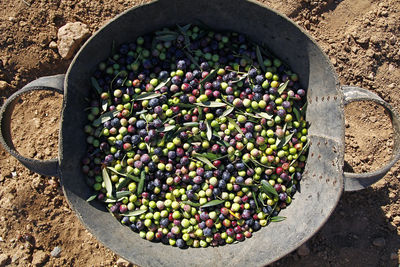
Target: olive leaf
point(261, 199)
point(162, 84)
point(134, 213)
point(193, 204)
point(107, 181)
point(233, 122)
point(209, 131)
point(255, 200)
point(209, 156)
point(265, 115)
point(122, 194)
point(183, 31)
point(96, 85)
point(167, 128)
point(233, 214)
point(110, 200)
point(104, 105)
point(210, 76)
point(211, 104)
point(167, 37)
point(283, 141)
point(283, 87)
point(243, 77)
point(205, 160)
point(212, 203)
point(227, 112)
point(267, 188)
point(297, 114)
point(223, 143)
point(278, 218)
point(146, 96)
point(92, 197)
point(191, 124)
point(141, 182)
point(122, 184)
point(127, 175)
point(105, 117)
point(304, 109)
point(260, 59)
point(260, 164)
point(192, 59)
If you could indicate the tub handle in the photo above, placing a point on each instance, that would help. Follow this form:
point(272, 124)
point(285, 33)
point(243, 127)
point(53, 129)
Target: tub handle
point(49, 83)
point(358, 181)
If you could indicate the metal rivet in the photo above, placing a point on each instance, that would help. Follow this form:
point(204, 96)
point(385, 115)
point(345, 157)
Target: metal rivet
point(323, 98)
point(328, 98)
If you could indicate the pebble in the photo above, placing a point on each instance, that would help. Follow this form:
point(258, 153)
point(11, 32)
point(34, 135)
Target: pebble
point(396, 220)
point(56, 252)
point(4, 259)
point(53, 45)
point(303, 250)
point(39, 258)
point(123, 263)
point(379, 242)
point(3, 85)
point(70, 36)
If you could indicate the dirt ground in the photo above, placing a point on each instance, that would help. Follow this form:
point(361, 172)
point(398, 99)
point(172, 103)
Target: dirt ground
point(362, 39)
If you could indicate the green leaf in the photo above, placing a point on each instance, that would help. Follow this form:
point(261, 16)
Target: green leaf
point(107, 181)
point(192, 59)
point(205, 160)
point(265, 115)
point(260, 164)
point(134, 213)
point(261, 199)
point(210, 76)
point(233, 122)
point(167, 128)
point(223, 143)
point(209, 131)
point(227, 112)
point(278, 218)
point(193, 204)
point(110, 200)
point(255, 200)
point(283, 87)
point(212, 203)
point(268, 189)
point(141, 182)
point(162, 84)
point(304, 109)
point(167, 37)
point(105, 117)
point(121, 194)
point(282, 142)
point(209, 156)
point(297, 114)
point(211, 104)
point(260, 59)
point(166, 31)
point(96, 85)
point(93, 197)
point(122, 184)
point(146, 96)
point(191, 124)
point(104, 105)
point(243, 77)
point(127, 175)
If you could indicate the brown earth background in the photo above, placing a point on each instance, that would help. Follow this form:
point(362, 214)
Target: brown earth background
point(362, 39)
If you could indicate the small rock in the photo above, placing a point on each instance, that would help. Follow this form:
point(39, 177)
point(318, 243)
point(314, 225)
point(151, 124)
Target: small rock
point(4, 259)
point(123, 263)
point(396, 220)
point(1, 239)
point(3, 85)
point(391, 68)
point(394, 256)
point(70, 36)
point(379, 242)
point(13, 174)
point(22, 23)
point(303, 250)
point(39, 258)
point(12, 19)
point(53, 45)
point(372, 119)
point(56, 252)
